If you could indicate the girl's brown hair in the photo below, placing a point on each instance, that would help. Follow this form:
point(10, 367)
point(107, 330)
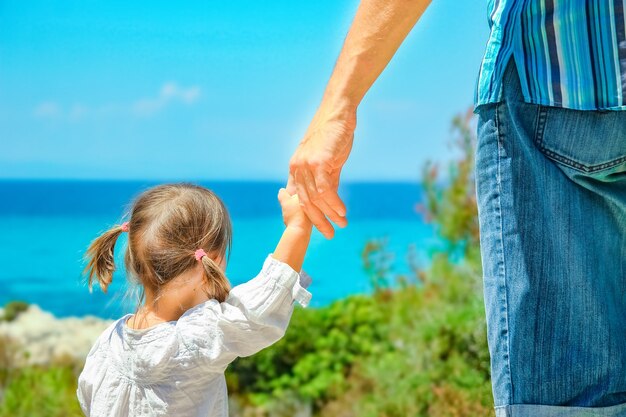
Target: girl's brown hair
point(167, 224)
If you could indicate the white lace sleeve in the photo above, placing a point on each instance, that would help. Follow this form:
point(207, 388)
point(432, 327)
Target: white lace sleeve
point(254, 316)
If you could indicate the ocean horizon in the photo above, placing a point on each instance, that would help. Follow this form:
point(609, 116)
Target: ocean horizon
point(48, 224)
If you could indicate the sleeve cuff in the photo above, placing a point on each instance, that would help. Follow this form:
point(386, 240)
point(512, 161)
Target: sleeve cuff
point(286, 276)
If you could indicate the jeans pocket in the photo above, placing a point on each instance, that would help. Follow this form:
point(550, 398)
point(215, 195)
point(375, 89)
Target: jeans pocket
point(586, 141)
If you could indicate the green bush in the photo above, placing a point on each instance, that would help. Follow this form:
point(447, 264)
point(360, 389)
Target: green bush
point(39, 392)
point(12, 309)
point(313, 360)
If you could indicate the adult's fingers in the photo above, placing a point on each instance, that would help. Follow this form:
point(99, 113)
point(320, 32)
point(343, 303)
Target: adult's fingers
point(318, 199)
point(311, 210)
point(327, 186)
point(330, 213)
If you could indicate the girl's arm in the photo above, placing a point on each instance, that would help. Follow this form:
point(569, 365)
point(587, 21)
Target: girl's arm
point(255, 314)
point(293, 244)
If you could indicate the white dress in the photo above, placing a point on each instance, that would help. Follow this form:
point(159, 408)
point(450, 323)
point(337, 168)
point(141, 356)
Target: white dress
point(177, 368)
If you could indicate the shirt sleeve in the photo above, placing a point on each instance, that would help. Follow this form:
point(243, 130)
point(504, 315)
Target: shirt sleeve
point(254, 316)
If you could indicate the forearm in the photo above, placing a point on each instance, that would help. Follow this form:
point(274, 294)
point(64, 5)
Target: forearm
point(292, 246)
point(378, 29)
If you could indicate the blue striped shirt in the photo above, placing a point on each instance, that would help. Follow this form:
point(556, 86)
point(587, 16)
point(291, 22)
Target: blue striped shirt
point(568, 53)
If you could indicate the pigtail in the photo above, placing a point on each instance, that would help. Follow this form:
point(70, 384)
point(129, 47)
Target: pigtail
point(218, 286)
point(100, 258)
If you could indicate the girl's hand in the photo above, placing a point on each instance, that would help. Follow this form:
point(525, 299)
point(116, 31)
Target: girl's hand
point(295, 239)
point(293, 215)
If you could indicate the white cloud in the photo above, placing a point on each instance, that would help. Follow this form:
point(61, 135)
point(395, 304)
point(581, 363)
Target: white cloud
point(169, 93)
point(47, 109)
point(172, 90)
point(77, 112)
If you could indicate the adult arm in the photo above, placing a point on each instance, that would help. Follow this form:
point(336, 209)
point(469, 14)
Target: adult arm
point(378, 29)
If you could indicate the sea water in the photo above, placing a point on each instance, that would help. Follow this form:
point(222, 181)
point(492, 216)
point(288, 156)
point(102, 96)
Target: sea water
point(45, 227)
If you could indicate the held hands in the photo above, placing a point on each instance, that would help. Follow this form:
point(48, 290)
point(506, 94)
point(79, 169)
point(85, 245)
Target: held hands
point(293, 216)
point(315, 167)
point(293, 244)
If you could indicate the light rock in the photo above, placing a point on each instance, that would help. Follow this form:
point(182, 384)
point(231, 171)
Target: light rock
point(36, 337)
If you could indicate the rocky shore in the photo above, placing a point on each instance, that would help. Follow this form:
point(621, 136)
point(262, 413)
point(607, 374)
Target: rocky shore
point(36, 337)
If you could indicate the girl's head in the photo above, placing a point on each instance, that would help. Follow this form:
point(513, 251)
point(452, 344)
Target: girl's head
point(167, 225)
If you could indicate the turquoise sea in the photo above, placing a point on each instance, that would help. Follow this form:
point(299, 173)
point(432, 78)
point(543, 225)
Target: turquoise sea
point(46, 226)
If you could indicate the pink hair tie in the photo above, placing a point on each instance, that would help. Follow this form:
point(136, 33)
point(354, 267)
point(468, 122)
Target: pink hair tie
point(199, 254)
point(125, 227)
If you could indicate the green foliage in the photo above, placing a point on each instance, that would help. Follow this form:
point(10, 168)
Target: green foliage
point(12, 309)
point(437, 363)
point(376, 262)
point(313, 359)
point(34, 391)
point(451, 205)
point(39, 392)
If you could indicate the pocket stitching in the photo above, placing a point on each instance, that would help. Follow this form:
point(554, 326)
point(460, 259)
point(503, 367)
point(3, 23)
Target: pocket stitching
point(539, 131)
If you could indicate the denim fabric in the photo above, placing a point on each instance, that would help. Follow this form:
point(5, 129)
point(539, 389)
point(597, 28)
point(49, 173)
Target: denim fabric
point(551, 189)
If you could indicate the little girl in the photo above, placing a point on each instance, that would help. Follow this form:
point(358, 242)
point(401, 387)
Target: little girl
point(169, 357)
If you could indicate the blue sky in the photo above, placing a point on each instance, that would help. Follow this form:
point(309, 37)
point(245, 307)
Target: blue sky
point(217, 89)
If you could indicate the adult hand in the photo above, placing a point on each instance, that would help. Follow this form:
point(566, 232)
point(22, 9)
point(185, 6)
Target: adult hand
point(378, 29)
point(315, 167)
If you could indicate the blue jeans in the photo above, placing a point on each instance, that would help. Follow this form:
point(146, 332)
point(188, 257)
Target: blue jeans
point(551, 188)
